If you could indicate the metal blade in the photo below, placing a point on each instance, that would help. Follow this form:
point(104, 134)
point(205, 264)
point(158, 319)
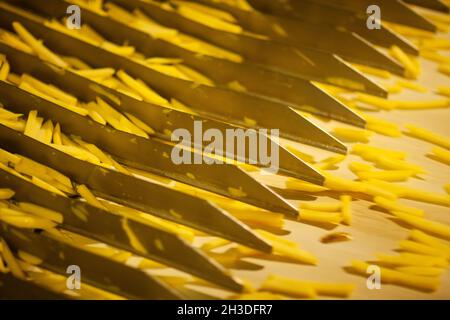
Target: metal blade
point(437, 5)
point(304, 34)
point(128, 190)
point(305, 62)
point(340, 18)
point(109, 228)
point(217, 103)
point(97, 270)
point(298, 93)
point(392, 10)
point(12, 288)
point(159, 118)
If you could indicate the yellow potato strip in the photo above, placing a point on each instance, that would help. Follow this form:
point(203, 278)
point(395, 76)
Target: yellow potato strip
point(346, 209)
point(43, 52)
point(441, 154)
point(427, 135)
point(389, 175)
point(394, 206)
point(11, 261)
point(436, 228)
point(389, 276)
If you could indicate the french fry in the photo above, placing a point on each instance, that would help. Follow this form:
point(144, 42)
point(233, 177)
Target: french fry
point(428, 226)
point(43, 52)
point(318, 206)
point(405, 60)
point(41, 212)
point(346, 209)
point(428, 240)
point(320, 216)
point(387, 175)
point(393, 206)
point(441, 154)
point(427, 135)
point(6, 194)
point(352, 134)
point(11, 261)
point(389, 276)
point(24, 220)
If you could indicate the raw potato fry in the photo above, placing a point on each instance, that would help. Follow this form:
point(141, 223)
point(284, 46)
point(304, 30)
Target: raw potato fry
point(140, 124)
point(393, 206)
point(89, 197)
point(306, 157)
point(261, 295)
point(431, 241)
point(11, 261)
point(360, 149)
point(97, 74)
point(51, 90)
point(422, 271)
point(346, 209)
point(303, 186)
point(352, 134)
point(356, 167)
point(441, 154)
point(411, 69)
point(445, 69)
point(43, 52)
point(214, 244)
point(373, 71)
point(412, 86)
point(445, 91)
point(6, 194)
point(148, 94)
point(436, 228)
point(283, 285)
point(413, 194)
point(389, 276)
point(388, 175)
point(327, 207)
point(422, 249)
point(320, 216)
point(28, 258)
point(258, 217)
point(412, 260)
point(375, 101)
point(24, 220)
point(426, 135)
point(41, 212)
point(306, 289)
point(4, 70)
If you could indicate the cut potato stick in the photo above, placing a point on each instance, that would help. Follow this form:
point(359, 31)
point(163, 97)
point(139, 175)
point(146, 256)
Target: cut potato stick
point(319, 216)
point(414, 260)
point(411, 69)
point(423, 249)
point(20, 219)
point(441, 154)
point(373, 71)
point(318, 206)
point(429, 136)
point(299, 185)
point(352, 134)
point(346, 209)
point(41, 212)
point(6, 194)
point(428, 226)
point(364, 148)
point(431, 241)
point(422, 271)
point(11, 261)
point(413, 194)
point(389, 276)
point(394, 206)
point(42, 51)
point(412, 86)
point(388, 175)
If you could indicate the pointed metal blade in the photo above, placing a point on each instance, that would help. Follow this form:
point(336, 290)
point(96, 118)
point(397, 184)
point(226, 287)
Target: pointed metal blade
point(304, 34)
point(134, 192)
point(393, 10)
point(217, 103)
point(301, 62)
point(437, 5)
point(109, 228)
point(321, 14)
point(97, 270)
point(12, 288)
